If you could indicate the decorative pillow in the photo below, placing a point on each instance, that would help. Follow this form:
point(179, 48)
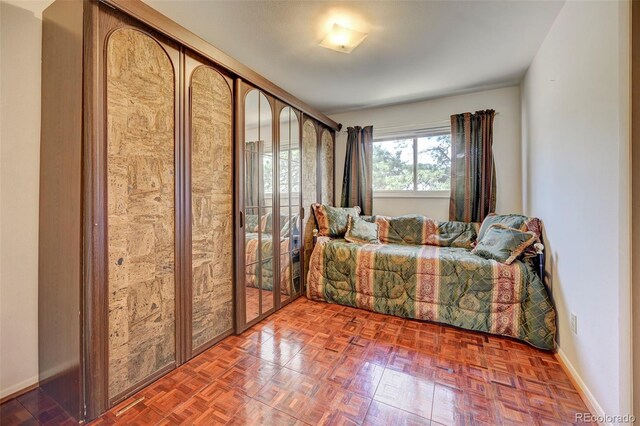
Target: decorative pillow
point(422, 230)
point(370, 219)
point(333, 221)
point(408, 229)
point(503, 244)
point(266, 223)
point(361, 231)
point(252, 221)
point(516, 221)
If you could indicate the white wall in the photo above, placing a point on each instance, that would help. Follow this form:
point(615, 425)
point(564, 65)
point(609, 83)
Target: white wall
point(506, 145)
point(20, 52)
point(575, 108)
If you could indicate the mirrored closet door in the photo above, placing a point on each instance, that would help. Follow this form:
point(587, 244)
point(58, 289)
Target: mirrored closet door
point(269, 179)
point(258, 224)
point(289, 202)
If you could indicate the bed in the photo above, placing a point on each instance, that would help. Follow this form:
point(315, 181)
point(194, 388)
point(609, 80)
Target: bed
point(425, 270)
point(260, 246)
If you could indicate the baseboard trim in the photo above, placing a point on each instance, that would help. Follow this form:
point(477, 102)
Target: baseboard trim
point(584, 392)
point(22, 389)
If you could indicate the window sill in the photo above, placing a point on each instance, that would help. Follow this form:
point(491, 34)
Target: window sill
point(412, 194)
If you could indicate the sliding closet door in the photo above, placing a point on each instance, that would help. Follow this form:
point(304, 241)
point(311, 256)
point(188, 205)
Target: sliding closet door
point(210, 207)
point(309, 185)
point(289, 202)
point(327, 186)
point(141, 214)
point(259, 226)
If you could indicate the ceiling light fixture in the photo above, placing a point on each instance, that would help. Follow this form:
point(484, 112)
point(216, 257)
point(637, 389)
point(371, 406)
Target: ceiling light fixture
point(342, 39)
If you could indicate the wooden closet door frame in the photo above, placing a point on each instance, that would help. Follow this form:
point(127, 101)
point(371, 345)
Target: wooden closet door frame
point(193, 61)
point(94, 313)
point(100, 22)
point(242, 88)
point(94, 291)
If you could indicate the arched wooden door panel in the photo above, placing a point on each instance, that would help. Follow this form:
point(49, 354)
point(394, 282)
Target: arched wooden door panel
point(141, 209)
point(309, 185)
point(327, 167)
point(211, 206)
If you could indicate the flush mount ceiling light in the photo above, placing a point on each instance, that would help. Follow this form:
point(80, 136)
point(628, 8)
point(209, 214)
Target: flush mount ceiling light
point(342, 39)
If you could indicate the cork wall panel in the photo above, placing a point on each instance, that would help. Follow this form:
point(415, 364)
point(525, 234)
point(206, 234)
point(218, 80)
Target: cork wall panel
point(211, 205)
point(141, 233)
point(309, 185)
point(327, 173)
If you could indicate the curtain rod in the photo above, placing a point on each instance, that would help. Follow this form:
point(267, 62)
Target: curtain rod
point(410, 127)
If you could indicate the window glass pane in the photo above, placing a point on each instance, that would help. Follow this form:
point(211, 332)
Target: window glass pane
point(295, 170)
point(284, 177)
point(393, 165)
point(434, 163)
point(267, 170)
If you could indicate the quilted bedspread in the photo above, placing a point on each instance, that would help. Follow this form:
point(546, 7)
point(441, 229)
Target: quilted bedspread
point(444, 284)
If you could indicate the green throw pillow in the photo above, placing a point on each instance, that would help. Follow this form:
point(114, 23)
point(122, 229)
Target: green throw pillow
point(333, 221)
point(361, 231)
point(503, 243)
point(515, 221)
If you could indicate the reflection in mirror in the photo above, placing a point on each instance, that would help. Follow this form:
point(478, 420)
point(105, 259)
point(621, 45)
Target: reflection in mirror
point(267, 285)
point(258, 198)
point(289, 203)
point(267, 170)
point(253, 196)
point(252, 295)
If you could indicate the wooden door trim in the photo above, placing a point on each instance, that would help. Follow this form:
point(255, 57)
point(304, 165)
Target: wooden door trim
point(333, 166)
point(179, 206)
point(276, 107)
point(635, 194)
point(240, 90)
point(95, 389)
point(173, 30)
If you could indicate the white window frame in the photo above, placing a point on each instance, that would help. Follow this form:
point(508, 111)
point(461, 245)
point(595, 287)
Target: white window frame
point(415, 135)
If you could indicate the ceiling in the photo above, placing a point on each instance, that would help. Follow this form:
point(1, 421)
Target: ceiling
point(415, 49)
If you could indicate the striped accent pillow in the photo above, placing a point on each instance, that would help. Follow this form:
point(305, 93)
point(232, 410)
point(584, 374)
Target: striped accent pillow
point(333, 221)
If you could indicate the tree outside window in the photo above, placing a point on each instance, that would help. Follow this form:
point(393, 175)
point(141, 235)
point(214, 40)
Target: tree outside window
point(420, 164)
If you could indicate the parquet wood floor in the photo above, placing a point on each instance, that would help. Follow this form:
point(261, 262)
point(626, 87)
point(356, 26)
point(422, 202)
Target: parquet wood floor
point(316, 363)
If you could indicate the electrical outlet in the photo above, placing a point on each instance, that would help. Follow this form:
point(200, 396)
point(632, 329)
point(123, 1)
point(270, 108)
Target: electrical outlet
point(574, 323)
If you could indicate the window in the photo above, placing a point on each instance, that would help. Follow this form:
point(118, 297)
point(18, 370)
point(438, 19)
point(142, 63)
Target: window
point(418, 165)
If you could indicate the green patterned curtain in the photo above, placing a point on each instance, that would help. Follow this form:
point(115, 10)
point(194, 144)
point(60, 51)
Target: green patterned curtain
point(473, 174)
point(357, 184)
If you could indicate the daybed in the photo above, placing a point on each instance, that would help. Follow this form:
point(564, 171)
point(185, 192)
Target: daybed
point(424, 269)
